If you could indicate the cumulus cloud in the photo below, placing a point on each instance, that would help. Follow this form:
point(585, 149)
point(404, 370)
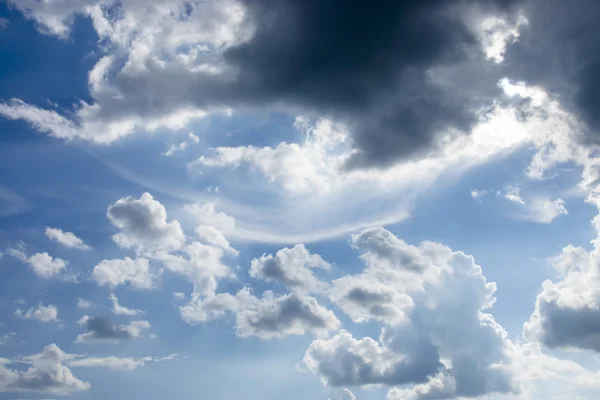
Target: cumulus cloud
point(118, 309)
point(292, 267)
point(41, 313)
point(143, 224)
point(101, 330)
point(117, 272)
point(67, 239)
point(43, 264)
point(46, 374)
point(193, 139)
point(430, 337)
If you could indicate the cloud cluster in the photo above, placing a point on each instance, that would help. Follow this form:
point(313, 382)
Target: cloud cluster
point(41, 313)
point(43, 264)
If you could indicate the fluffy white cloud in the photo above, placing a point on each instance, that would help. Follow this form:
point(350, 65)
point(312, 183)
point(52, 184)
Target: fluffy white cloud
point(43, 264)
point(119, 272)
point(201, 264)
point(41, 313)
point(434, 318)
point(214, 237)
point(101, 330)
point(47, 374)
point(67, 239)
point(118, 309)
point(143, 224)
point(206, 214)
point(292, 267)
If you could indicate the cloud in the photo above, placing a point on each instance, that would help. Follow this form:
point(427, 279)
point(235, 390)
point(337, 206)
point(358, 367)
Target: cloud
point(538, 209)
point(101, 330)
point(47, 374)
point(84, 304)
point(117, 272)
point(116, 363)
point(67, 239)
point(428, 339)
point(478, 194)
point(143, 224)
point(269, 317)
point(118, 309)
point(41, 313)
point(193, 139)
point(276, 317)
point(44, 265)
point(4, 23)
point(291, 267)
point(514, 194)
point(228, 54)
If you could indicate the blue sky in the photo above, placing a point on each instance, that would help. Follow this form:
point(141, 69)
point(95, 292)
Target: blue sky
point(180, 217)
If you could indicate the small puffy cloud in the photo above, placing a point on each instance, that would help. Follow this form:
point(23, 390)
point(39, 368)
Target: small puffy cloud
point(292, 267)
point(343, 394)
point(143, 224)
point(118, 309)
point(514, 194)
point(276, 317)
point(40, 312)
point(101, 330)
point(46, 374)
point(117, 272)
point(179, 295)
point(4, 23)
point(84, 304)
point(43, 264)
point(67, 239)
point(477, 194)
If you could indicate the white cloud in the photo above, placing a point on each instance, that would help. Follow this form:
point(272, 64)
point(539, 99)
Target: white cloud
point(206, 214)
point(179, 295)
point(193, 139)
point(118, 309)
point(215, 237)
point(41, 313)
point(478, 194)
point(201, 264)
point(116, 363)
point(120, 272)
point(44, 265)
point(84, 304)
point(67, 239)
point(514, 194)
point(143, 224)
point(7, 338)
point(4, 23)
point(496, 33)
point(47, 374)
point(101, 330)
point(537, 209)
point(292, 267)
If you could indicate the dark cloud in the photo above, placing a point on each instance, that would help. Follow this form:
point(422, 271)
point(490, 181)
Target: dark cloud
point(286, 315)
point(100, 329)
point(558, 51)
point(364, 65)
point(564, 327)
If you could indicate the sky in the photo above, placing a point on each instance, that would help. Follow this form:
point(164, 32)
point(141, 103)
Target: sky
point(254, 199)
